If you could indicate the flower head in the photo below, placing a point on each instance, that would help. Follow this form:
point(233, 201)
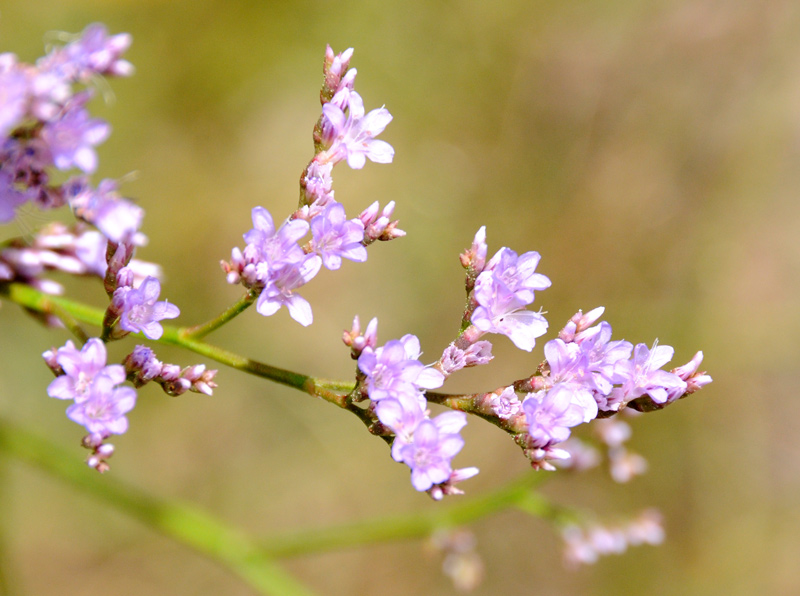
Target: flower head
point(394, 369)
point(81, 368)
point(335, 237)
point(642, 375)
point(550, 414)
point(141, 312)
point(352, 136)
point(433, 446)
point(103, 411)
point(71, 138)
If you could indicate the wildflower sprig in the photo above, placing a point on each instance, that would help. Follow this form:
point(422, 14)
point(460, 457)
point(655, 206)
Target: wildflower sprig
point(585, 376)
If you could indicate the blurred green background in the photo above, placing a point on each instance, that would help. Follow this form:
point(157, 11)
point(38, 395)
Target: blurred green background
point(648, 150)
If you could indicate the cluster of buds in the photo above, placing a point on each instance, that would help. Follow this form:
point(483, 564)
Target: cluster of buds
point(357, 341)
point(142, 367)
point(378, 224)
point(100, 451)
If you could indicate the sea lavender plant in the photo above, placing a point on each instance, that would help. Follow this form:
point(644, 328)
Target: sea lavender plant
point(585, 377)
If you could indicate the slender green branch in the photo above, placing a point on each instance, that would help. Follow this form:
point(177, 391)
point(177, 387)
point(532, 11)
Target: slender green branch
point(535, 504)
point(28, 297)
point(33, 299)
point(252, 561)
point(188, 338)
point(198, 331)
point(6, 578)
point(182, 522)
point(415, 525)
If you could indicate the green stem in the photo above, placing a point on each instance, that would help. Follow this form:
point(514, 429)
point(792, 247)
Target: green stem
point(28, 297)
point(182, 522)
point(33, 299)
point(234, 310)
point(5, 516)
point(251, 561)
point(415, 525)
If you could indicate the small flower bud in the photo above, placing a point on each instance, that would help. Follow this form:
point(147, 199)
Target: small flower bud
point(580, 322)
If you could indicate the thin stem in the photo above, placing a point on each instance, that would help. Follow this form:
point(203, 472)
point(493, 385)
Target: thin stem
point(535, 504)
point(415, 525)
point(254, 561)
point(5, 515)
point(399, 527)
point(198, 331)
point(182, 522)
point(33, 299)
point(28, 297)
point(186, 337)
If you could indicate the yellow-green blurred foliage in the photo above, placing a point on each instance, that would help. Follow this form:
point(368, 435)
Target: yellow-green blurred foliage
point(648, 150)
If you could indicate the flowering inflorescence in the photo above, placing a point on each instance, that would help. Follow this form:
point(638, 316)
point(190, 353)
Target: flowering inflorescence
point(585, 376)
point(274, 263)
point(46, 128)
point(45, 125)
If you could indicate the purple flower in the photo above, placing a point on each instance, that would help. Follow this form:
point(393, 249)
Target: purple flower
point(141, 312)
point(117, 218)
point(517, 273)
point(274, 262)
point(353, 136)
point(103, 411)
point(394, 369)
point(72, 137)
point(402, 415)
point(501, 311)
point(279, 290)
point(14, 89)
point(97, 53)
point(274, 246)
point(642, 375)
point(267, 251)
point(505, 404)
point(81, 368)
point(433, 446)
point(335, 237)
point(502, 291)
point(587, 362)
point(550, 414)
point(10, 197)
point(603, 354)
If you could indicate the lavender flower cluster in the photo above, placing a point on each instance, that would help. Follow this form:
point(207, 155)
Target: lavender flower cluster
point(45, 126)
point(273, 263)
point(584, 375)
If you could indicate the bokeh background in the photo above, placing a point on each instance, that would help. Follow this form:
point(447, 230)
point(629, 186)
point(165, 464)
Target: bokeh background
point(648, 150)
